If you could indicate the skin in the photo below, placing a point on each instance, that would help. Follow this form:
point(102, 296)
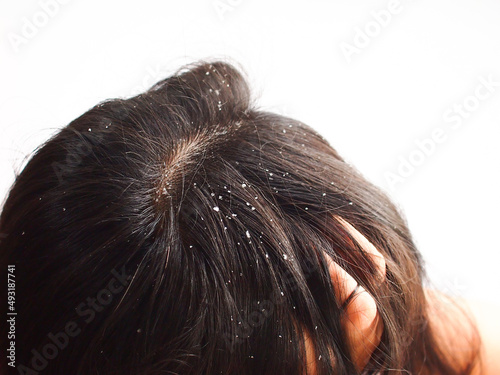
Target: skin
point(486, 316)
point(362, 321)
point(364, 326)
point(460, 337)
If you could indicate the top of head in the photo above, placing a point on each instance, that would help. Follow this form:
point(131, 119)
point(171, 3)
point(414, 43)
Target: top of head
point(216, 211)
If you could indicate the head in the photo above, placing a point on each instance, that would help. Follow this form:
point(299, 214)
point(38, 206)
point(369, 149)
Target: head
point(185, 231)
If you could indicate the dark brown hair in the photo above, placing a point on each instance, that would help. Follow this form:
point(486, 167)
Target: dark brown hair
point(180, 231)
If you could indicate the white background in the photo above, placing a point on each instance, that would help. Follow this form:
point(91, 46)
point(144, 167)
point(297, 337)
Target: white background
point(373, 105)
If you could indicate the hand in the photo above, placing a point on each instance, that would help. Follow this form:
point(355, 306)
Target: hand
point(362, 320)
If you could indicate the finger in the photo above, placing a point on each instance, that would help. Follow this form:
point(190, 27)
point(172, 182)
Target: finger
point(363, 326)
point(361, 320)
point(343, 283)
point(311, 356)
point(367, 246)
point(361, 309)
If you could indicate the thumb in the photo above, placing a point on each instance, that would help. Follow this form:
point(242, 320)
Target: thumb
point(361, 321)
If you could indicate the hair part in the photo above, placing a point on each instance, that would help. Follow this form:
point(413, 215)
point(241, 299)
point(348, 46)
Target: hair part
point(214, 214)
